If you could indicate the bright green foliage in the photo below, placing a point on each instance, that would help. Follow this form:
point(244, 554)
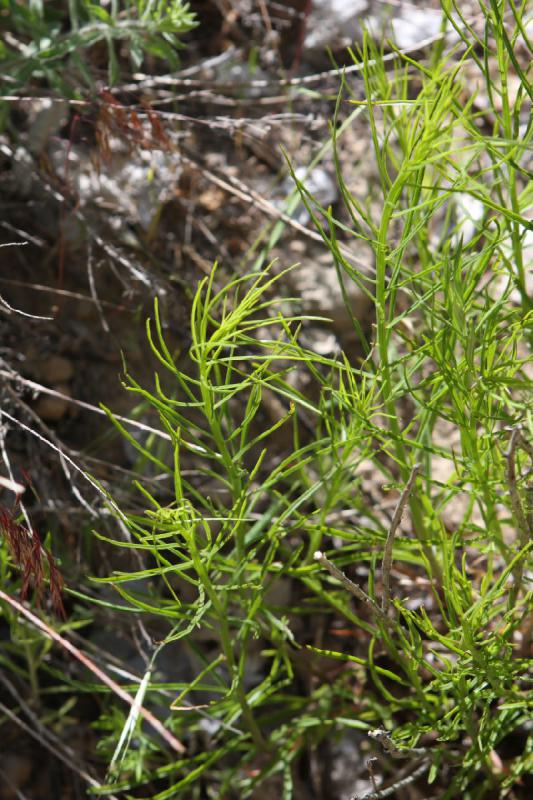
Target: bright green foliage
point(264, 474)
point(52, 41)
point(448, 348)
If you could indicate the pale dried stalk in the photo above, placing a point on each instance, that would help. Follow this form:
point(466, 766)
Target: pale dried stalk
point(389, 544)
point(352, 587)
point(12, 310)
point(67, 458)
point(12, 486)
point(7, 462)
point(400, 784)
point(171, 740)
point(523, 520)
point(44, 736)
point(38, 387)
point(92, 287)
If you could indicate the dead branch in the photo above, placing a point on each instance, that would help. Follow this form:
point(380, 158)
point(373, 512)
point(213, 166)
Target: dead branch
point(45, 736)
point(387, 553)
point(352, 587)
point(400, 784)
point(171, 740)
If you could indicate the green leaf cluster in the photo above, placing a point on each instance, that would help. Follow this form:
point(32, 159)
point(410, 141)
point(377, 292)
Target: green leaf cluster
point(50, 45)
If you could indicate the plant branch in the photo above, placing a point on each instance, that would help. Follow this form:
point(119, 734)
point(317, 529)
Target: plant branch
point(171, 740)
point(387, 553)
point(353, 588)
point(400, 784)
point(523, 518)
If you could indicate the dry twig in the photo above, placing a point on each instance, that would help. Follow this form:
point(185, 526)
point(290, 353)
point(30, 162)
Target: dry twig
point(3, 302)
point(399, 784)
point(38, 387)
point(352, 587)
point(108, 499)
point(387, 553)
point(523, 519)
point(171, 740)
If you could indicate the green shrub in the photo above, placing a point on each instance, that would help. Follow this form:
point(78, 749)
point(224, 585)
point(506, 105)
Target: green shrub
point(50, 43)
point(270, 530)
point(439, 409)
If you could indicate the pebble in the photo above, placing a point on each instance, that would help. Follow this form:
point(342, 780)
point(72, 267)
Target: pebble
point(57, 369)
point(16, 771)
point(53, 409)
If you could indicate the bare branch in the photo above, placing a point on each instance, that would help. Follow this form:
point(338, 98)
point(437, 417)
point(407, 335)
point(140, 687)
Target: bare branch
point(38, 287)
point(389, 544)
point(45, 736)
point(384, 739)
point(146, 81)
point(400, 784)
point(524, 523)
point(12, 486)
point(7, 462)
point(58, 450)
point(171, 740)
point(352, 587)
point(92, 287)
point(38, 387)
point(11, 310)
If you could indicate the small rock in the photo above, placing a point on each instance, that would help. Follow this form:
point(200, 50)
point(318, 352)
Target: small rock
point(56, 369)
point(320, 341)
point(212, 199)
point(320, 185)
point(17, 771)
point(337, 24)
point(334, 24)
point(50, 115)
point(413, 25)
point(51, 408)
point(316, 284)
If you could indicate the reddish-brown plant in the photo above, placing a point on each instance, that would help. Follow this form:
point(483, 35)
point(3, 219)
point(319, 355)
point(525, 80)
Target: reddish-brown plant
point(31, 559)
point(115, 119)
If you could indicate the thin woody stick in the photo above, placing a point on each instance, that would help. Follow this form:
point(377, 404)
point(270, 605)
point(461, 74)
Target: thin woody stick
point(387, 553)
point(384, 739)
point(44, 736)
point(352, 587)
point(523, 520)
point(510, 471)
point(57, 449)
point(403, 780)
point(5, 458)
point(390, 790)
point(38, 387)
point(171, 740)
